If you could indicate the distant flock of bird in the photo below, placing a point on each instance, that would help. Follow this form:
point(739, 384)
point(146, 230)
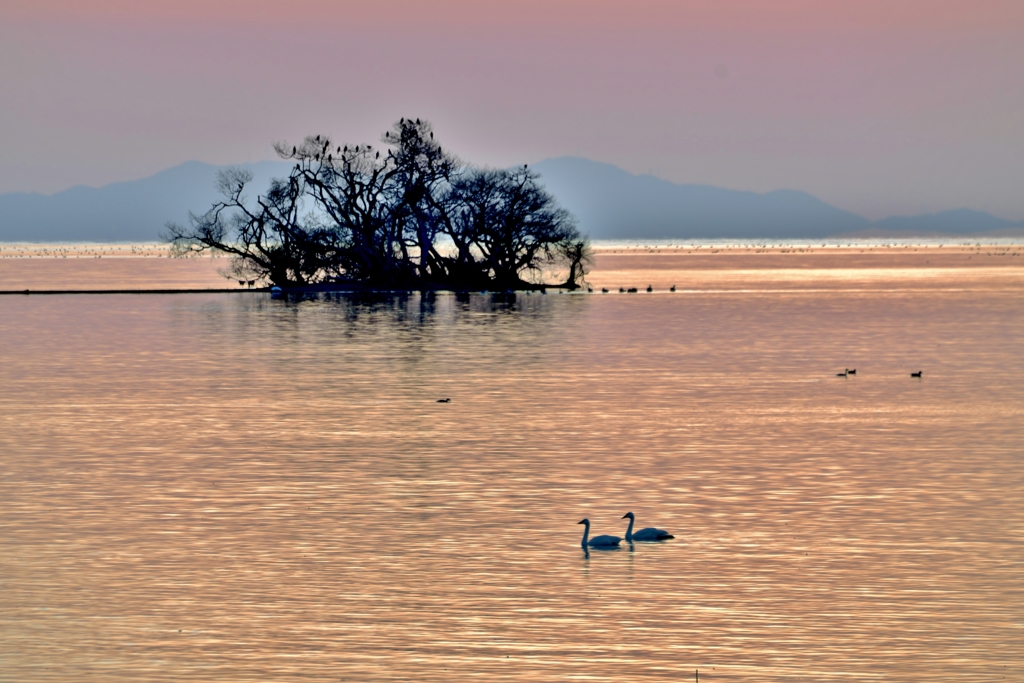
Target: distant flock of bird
point(632, 290)
point(607, 541)
point(847, 372)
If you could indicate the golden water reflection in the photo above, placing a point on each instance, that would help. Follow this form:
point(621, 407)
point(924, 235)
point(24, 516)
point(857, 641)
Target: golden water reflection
point(235, 488)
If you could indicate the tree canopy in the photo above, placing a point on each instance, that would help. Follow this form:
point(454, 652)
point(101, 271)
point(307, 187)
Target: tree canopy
point(410, 215)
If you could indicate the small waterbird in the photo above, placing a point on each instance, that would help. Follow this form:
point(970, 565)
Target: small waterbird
point(852, 372)
point(648, 534)
point(603, 541)
point(444, 400)
point(916, 374)
point(844, 373)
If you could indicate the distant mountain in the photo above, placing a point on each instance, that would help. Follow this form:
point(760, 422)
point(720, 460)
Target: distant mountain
point(133, 211)
point(957, 221)
point(609, 202)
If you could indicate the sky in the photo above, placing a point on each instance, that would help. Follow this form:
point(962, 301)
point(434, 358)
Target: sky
point(880, 107)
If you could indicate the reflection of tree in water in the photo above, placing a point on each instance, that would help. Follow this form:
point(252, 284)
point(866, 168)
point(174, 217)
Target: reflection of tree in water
point(418, 325)
point(419, 309)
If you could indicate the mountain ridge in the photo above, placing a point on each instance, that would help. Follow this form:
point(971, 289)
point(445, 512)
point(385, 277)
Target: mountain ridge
point(609, 203)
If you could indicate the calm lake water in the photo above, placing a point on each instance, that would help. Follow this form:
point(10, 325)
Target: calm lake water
point(228, 487)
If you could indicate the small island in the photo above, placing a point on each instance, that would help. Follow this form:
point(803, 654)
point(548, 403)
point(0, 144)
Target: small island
point(409, 216)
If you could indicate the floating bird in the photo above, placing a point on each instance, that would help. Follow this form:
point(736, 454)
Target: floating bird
point(844, 373)
point(852, 372)
point(444, 400)
point(672, 288)
point(649, 288)
point(916, 374)
point(603, 541)
point(648, 534)
point(604, 290)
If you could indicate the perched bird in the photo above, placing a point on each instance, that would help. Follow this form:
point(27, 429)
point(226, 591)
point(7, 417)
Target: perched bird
point(648, 534)
point(294, 149)
point(916, 374)
point(603, 541)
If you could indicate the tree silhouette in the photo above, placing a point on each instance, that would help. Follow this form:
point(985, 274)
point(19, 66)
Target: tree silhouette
point(413, 217)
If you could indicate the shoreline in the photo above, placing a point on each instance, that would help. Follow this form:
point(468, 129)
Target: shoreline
point(50, 292)
point(45, 271)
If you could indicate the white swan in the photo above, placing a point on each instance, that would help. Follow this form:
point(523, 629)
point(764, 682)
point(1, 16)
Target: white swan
point(648, 534)
point(603, 541)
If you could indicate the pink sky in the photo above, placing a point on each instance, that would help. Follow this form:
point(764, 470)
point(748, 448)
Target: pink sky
point(877, 106)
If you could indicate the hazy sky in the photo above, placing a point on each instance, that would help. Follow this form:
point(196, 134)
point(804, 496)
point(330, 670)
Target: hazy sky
point(877, 106)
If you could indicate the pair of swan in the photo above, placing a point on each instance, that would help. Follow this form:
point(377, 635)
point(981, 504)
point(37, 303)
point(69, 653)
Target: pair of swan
point(607, 541)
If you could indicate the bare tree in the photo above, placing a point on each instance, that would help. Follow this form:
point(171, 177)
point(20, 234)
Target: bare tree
point(266, 237)
point(350, 189)
point(414, 216)
point(515, 227)
point(422, 176)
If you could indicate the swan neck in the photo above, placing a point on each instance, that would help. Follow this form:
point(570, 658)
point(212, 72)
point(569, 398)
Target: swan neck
point(629, 531)
point(586, 532)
